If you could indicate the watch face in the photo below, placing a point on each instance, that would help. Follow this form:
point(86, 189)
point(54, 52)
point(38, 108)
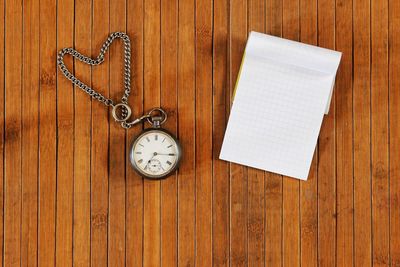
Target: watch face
point(155, 154)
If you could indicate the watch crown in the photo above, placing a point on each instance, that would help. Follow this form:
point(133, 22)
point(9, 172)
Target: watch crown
point(156, 120)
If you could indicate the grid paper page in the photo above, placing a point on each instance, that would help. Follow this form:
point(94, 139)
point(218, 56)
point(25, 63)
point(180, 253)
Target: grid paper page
point(295, 53)
point(276, 115)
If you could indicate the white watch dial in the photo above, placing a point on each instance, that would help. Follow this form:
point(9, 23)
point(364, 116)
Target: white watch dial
point(155, 154)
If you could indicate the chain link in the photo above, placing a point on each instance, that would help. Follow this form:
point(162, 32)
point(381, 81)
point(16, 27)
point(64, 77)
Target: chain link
point(97, 61)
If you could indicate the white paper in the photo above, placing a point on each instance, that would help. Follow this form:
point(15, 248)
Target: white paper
point(281, 96)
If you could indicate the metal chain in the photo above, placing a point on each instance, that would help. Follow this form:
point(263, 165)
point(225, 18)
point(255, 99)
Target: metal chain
point(98, 61)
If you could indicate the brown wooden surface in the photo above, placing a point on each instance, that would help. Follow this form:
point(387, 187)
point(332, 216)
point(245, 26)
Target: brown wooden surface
point(68, 195)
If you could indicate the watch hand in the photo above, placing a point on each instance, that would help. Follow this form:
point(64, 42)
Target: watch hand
point(148, 162)
point(165, 154)
point(154, 154)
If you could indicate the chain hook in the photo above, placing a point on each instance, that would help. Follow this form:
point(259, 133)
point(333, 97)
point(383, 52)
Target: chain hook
point(127, 125)
point(125, 113)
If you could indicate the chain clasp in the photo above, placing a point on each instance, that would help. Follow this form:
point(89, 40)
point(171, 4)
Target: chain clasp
point(121, 112)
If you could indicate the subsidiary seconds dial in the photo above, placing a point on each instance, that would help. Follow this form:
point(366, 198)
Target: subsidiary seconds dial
point(155, 154)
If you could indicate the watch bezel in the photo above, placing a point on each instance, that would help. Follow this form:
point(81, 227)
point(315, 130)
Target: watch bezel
point(146, 175)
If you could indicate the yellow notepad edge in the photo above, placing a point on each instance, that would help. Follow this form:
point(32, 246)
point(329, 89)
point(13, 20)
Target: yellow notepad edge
point(238, 77)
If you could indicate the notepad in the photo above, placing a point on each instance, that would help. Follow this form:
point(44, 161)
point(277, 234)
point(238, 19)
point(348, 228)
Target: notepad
point(283, 90)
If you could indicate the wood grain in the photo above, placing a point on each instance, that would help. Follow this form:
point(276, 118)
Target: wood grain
point(100, 141)
point(30, 135)
point(117, 160)
point(256, 192)
point(344, 135)
point(3, 128)
point(361, 132)
point(152, 87)
point(186, 133)
point(380, 133)
point(68, 194)
point(47, 135)
point(169, 86)
point(221, 104)
point(238, 179)
point(291, 187)
point(12, 135)
point(203, 120)
point(82, 141)
point(309, 190)
point(326, 151)
point(65, 144)
point(394, 133)
point(134, 183)
point(273, 182)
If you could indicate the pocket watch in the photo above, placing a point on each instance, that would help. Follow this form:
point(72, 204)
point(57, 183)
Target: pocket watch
point(155, 153)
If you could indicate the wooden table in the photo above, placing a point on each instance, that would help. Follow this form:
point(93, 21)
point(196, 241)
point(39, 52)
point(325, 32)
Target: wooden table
point(70, 196)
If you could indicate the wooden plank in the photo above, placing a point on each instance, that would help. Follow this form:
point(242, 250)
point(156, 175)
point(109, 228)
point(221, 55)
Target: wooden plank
point(169, 79)
point(273, 182)
point(2, 127)
point(82, 142)
point(100, 140)
point(186, 130)
point(344, 135)
point(326, 151)
point(47, 134)
point(256, 191)
point(362, 138)
point(65, 137)
point(152, 80)
point(309, 218)
point(30, 131)
point(379, 133)
point(134, 182)
point(13, 131)
point(273, 219)
point(308, 189)
point(291, 187)
point(203, 120)
point(221, 104)
point(238, 186)
point(117, 160)
point(394, 140)
point(273, 17)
